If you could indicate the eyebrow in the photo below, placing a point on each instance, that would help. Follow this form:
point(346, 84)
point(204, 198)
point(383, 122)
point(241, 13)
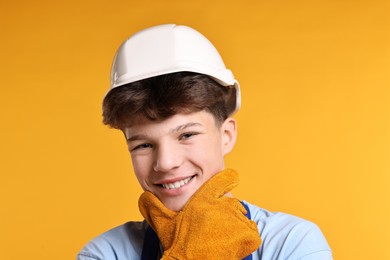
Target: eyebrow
point(184, 126)
point(174, 130)
point(135, 138)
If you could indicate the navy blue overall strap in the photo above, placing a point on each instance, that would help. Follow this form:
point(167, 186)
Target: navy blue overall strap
point(248, 215)
point(152, 244)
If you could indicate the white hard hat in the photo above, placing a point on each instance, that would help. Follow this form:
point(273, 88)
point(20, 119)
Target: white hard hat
point(167, 49)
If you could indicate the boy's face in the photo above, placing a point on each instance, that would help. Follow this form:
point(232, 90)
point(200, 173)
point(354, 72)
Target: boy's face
point(174, 157)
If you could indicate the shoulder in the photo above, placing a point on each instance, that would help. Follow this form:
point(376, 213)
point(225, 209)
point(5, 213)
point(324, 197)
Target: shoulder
point(122, 242)
point(288, 237)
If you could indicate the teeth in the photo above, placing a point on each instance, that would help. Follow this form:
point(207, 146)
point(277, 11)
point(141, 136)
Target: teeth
point(176, 184)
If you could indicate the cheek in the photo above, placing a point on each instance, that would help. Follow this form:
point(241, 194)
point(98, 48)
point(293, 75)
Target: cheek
point(141, 169)
point(209, 156)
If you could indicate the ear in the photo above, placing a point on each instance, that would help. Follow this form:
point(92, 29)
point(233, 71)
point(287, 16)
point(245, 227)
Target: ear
point(229, 135)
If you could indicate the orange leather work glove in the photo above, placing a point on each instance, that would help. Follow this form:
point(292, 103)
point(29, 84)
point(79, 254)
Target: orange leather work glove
point(210, 226)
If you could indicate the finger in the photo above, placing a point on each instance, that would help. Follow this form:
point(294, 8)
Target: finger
point(218, 185)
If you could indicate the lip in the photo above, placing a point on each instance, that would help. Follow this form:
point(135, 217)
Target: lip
point(173, 180)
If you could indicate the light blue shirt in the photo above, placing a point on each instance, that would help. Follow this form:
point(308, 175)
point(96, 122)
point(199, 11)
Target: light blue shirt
point(284, 237)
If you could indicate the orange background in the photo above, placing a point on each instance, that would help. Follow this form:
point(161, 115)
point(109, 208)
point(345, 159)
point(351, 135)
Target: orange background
point(313, 130)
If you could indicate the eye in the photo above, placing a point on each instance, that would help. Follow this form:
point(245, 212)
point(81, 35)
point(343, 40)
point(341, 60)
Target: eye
point(141, 146)
point(186, 136)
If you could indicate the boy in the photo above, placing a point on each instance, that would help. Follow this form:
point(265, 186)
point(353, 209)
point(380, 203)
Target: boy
point(172, 97)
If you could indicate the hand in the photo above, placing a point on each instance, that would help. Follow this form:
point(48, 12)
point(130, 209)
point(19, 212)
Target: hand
point(210, 226)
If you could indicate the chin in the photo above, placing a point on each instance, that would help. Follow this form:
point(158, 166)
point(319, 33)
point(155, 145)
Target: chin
point(175, 205)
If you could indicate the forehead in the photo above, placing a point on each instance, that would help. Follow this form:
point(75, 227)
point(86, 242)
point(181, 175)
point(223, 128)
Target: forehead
point(175, 123)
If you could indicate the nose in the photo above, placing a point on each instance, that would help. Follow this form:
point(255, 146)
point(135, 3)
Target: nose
point(166, 158)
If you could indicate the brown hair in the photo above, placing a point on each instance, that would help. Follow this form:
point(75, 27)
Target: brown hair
point(161, 97)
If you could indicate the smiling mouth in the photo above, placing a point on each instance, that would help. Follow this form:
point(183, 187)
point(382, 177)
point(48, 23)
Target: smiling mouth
point(177, 184)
